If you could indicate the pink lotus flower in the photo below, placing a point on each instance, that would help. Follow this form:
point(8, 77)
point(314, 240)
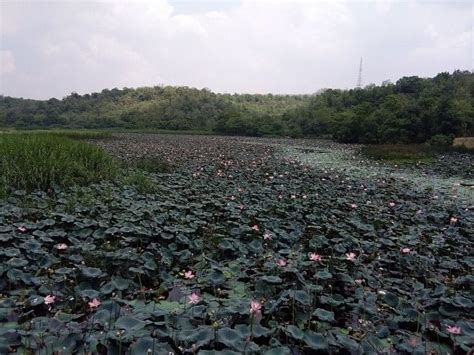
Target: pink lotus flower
point(22, 229)
point(49, 299)
point(193, 298)
point(94, 303)
point(255, 307)
point(189, 275)
point(406, 250)
point(453, 220)
point(351, 256)
point(452, 329)
point(281, 262)
point(61, 246)
point(267, 236)
point(359, 281)
point(314, 257)
point(255, 228)
point(353, 205)
point(392, 204)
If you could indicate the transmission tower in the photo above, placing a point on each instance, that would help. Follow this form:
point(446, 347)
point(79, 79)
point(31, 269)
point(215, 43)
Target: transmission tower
point(359, 79)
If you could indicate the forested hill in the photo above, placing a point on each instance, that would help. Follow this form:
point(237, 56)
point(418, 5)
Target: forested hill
point(176, 108)
point(411, 110)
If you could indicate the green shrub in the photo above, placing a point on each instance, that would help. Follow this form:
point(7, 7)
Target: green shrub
point(41, 160)
point(441, 141)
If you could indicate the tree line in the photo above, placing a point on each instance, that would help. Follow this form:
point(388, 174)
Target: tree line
point(411, 110)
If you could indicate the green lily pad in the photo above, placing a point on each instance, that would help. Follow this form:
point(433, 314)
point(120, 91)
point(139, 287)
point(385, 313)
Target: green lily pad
point(129, 323)
point(91, 272)
point(324, 315)
point(294, 332)
point(315, 341)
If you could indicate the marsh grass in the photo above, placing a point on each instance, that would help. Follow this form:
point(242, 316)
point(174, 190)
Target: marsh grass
point(164, 131)
point(78, 134)
point(151, 165)
point(410, 153)
point(139, 173)
point(42, 160)
point(143, 183)
point(83, 134)
point(400, 152)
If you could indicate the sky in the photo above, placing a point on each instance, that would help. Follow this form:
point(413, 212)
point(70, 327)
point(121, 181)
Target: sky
point(52, 48)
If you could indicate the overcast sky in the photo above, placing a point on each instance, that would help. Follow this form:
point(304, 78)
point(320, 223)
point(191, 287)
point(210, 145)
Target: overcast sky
point(50, 49)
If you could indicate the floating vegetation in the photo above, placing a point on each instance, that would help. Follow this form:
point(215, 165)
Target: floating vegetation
point(242, 248)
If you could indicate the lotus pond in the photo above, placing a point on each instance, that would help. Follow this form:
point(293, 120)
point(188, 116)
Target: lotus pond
point(245, 246)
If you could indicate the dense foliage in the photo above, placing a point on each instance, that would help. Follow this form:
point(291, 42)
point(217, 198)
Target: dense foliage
point(410, 111)
point(174, 108)
point(242, 249)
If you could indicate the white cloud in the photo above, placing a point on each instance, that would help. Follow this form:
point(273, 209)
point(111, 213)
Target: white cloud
point(247, 46)
point(7, 62)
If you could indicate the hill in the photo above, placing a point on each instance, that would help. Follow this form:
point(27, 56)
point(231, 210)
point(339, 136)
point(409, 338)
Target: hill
point(411, 110)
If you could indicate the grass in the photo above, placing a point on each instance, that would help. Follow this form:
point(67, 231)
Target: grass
point(402, 153)
point(143, 183)
point(412, 153)
point(150, 165)
point(137, 173)
point(162, 131)
point(83, 134)
point(42, 160)
point(80, 134)
point(87, 133)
